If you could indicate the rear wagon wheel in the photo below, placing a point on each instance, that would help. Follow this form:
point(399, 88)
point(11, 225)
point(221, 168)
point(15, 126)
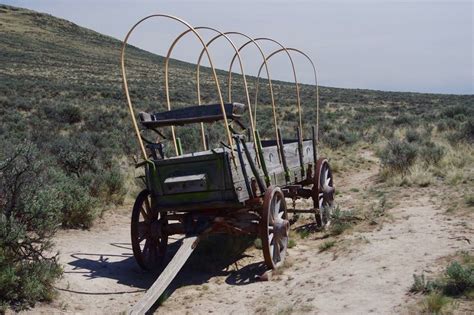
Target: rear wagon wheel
point(149, 241)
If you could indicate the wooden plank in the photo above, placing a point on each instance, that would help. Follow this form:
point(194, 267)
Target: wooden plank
point(193, 114)
point(165, 278)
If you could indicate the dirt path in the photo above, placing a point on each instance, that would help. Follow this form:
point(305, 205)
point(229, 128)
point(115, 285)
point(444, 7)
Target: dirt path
point(364, 272)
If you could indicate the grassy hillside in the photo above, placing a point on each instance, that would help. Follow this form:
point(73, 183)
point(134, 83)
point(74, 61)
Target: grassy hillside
point(67, 144)
point(51, 64)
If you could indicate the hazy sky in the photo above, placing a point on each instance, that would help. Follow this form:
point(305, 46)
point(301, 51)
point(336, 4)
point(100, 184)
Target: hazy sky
point(421, 46)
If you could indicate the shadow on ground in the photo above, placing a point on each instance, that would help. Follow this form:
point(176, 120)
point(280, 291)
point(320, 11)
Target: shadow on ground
point(213, 257)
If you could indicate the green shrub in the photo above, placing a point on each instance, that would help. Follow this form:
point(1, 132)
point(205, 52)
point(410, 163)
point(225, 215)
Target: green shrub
point(30, 213)
point(403, 119)
point(398, 156)
point(431, 153)
point(337, 139)
point(24, 283)
point(421, 285)
point(70, 114)
point(459, 279)
point(457, 111)
point(340, 221)
point(385, 132)
point(75, 154)
point(467, 132)
point(114, 184)
point(412, 136)
point(62, 113)
point(107, 186)
point(79, 208)
point(441, 126)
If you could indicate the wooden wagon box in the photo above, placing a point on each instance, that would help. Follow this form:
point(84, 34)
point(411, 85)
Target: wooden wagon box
point(210, 179)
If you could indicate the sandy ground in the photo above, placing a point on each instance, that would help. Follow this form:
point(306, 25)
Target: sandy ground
point(367, 271)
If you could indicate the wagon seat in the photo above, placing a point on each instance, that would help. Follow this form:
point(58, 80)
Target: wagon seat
point(192, 114)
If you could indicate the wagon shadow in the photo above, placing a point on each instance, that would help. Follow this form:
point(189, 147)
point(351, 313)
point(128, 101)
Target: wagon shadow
point(218, 256)
point(121, 267)
point(211, 258)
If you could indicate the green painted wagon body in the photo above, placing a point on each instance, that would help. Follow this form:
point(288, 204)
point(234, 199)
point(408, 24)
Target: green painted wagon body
point(210, 179)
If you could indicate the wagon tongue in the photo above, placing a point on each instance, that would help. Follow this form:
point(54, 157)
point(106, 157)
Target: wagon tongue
point(159, 286)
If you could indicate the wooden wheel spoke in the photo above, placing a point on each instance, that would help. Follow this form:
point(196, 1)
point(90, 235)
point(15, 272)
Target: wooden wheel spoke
point(142, 231)
point(277, 207)
point(271, 216)
point(147, 205)
point(276, 252)
point(146, 248)
point(270, 238)
point(144, 214)
point(326, 183)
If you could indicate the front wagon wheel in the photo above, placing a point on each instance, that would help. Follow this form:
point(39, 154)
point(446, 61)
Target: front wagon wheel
point(149, 240)
point(325, 192)
point(274, 227)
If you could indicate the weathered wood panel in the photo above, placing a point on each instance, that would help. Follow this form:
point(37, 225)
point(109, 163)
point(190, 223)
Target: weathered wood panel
point(224, 180)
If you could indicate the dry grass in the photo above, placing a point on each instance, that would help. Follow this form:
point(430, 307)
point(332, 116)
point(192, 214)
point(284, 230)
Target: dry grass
point(436, 303)
point(326, 245)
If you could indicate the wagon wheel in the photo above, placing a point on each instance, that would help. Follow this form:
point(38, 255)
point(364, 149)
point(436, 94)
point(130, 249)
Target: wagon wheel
point(323, 192)
point(149, 241)
point(274, 227)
